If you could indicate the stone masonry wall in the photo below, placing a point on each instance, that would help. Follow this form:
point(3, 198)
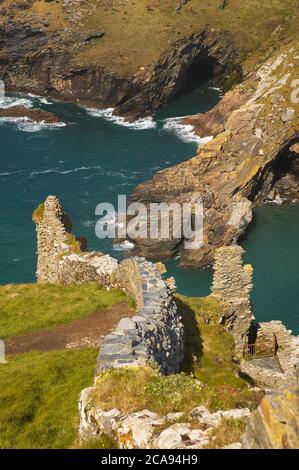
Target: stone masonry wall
point(287, 346)
point(51, 233)
point(232, 284)
point(155, 334)
point(129, 277)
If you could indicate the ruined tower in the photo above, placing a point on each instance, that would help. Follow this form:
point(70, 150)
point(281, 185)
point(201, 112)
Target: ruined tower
point(232, 284)
point(52, 235)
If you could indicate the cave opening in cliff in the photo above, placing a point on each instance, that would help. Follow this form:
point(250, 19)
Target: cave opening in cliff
point(286, 164)
point(199, 72)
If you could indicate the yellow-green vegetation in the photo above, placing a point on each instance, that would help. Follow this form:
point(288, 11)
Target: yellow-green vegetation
point(74, 243)
point(102, 442)
point(38, 213)
point(29, 307)
point(209, 375)
point(39, 398)
point(136, 33)
point(229, 431)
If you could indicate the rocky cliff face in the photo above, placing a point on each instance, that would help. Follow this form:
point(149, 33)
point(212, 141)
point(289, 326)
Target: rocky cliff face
point(275, 424)
point(134, 56)
point(256, 127)
point(60, 58)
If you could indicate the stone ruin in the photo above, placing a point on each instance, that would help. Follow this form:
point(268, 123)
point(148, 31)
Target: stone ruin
point(269, 352)
point(60, 256)
point(232, 285)
point(155, 334)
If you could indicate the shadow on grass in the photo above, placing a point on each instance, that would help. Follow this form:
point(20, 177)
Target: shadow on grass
point(193, 346)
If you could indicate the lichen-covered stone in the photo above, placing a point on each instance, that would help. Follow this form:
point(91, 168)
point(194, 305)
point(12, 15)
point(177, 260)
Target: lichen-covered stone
point(275, 423)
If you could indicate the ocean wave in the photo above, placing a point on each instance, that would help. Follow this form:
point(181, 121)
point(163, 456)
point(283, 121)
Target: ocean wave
point(139, 124)
point(64, 172)
point(123, 246)
point(88, 223)
point(184, 131)
point(26, 124)
point(10, 101)
point(41, 99)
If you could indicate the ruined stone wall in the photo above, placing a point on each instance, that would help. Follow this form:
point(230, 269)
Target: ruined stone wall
point(56, 259)
point(155, 334)
point(287, 346)
point(87, 267)
point(264, 377)
point(275, 423)
point(129, 277)
point(51, 232)
point(232, 284)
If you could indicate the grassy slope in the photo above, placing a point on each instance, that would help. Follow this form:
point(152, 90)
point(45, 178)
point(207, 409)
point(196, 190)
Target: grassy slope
point(39, 391)
point(30, 307)
point(39, 398)
point(208, 359)
point(138, 32)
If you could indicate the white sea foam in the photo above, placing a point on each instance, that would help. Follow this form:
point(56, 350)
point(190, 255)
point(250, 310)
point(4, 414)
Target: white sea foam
point(26, 124)
point(64, 172)
point(41, 99)
point(139, 124)
point(10, 101)
point(88, 223)
point(184, 131)
point(123, 246)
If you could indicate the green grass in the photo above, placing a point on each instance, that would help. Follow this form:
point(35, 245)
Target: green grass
point(29, 307)
point(39, 398)
point(38, 213)
point(228, 432)
point(138, 32)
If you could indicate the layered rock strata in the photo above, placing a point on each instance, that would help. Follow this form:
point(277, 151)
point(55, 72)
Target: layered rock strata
point(255, 128)
point(275, 423)
point(48, 60)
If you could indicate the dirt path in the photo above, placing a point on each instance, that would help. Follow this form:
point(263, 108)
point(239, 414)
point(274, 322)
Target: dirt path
point(83, 333)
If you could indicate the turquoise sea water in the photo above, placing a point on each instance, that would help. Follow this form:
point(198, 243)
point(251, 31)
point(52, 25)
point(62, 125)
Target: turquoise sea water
point(93, 159)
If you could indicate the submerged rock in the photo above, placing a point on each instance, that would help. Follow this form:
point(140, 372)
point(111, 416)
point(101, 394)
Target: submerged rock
point(37, 115)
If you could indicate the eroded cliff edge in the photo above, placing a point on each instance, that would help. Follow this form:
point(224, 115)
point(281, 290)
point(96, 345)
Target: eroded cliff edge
point(251, 159)
point(133, 56)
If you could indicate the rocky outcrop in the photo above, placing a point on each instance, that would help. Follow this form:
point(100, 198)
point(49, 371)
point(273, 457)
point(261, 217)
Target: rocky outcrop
point(275, 423)
point(37, 115)
point(155, 334)
point(206, 50)
point(140, 430)
point(37, 55)
point(232, 284)
point(240, 167)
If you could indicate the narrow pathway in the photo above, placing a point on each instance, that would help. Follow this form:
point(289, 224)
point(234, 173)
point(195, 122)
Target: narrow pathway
point(83, 333)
